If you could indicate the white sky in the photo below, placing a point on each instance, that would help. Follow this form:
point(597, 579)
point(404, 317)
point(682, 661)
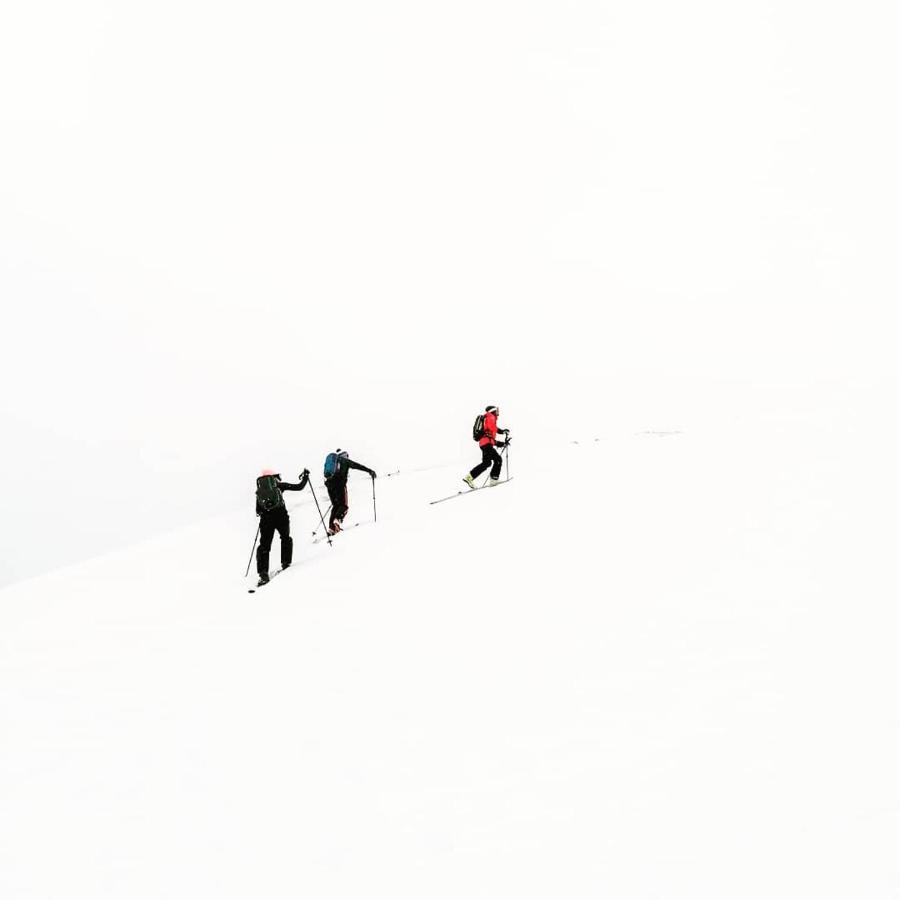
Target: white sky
point(236, 232)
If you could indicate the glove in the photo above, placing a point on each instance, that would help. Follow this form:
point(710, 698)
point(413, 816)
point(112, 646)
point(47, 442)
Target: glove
point(503, 430)
point(374, 476)
point(304, 472)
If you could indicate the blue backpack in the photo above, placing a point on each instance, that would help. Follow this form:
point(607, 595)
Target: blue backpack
point(333, 463)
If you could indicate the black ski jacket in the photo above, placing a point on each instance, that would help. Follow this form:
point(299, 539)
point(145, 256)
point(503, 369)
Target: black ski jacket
point(285, 486)
point(345, 464)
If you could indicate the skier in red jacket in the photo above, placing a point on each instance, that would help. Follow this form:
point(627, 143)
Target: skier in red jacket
point(488, 443)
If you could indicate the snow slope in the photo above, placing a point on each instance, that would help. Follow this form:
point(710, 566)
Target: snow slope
point(656, 664)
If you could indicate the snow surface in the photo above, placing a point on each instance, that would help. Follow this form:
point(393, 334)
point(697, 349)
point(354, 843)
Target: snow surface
point(658, 663)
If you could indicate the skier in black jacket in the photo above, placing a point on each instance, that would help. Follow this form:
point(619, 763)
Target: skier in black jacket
point(337, 468)
point(273, 515)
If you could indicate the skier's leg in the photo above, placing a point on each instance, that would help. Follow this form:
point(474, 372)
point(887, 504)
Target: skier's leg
point(331, 498)
point(486, 460)
point(496, 464)
point(338, 511)
point(335, 494)
point(266, 533)
point(287, 542)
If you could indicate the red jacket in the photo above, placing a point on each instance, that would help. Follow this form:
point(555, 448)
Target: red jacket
point(490, 430)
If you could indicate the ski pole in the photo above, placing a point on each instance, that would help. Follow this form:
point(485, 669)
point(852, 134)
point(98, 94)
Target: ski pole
point(321, 517)
point(252, 549)
point(326, 513)
point(374, 507)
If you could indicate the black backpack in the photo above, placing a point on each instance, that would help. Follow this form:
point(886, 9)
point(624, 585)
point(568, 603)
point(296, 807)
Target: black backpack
point(478, 428)
point(268, 497)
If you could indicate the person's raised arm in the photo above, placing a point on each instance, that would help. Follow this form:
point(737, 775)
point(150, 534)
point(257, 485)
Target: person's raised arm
point(355, 465)
point(287, 486)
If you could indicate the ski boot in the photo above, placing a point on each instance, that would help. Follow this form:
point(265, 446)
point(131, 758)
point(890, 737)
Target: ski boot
point(493, 482)
point(470, 481)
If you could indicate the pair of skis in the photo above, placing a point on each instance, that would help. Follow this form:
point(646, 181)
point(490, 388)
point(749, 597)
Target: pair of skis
point(262, 584)
point(327, 535)
point(483, 487)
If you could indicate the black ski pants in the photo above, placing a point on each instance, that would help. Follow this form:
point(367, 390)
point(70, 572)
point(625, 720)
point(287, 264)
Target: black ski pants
point(489, 458)
point(337, 494)
point(270, 522)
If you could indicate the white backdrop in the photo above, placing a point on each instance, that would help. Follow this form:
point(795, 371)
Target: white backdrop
point(237, 235)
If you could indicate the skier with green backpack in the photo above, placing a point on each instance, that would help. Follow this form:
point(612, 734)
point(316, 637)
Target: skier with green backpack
point(273, 516)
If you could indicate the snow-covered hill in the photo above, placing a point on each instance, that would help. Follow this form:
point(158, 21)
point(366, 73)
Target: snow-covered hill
point(655, 664)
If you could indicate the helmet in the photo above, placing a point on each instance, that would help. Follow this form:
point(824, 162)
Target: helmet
point(492, 409)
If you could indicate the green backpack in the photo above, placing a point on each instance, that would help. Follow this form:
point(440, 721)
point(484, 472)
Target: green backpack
point(268, 497)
